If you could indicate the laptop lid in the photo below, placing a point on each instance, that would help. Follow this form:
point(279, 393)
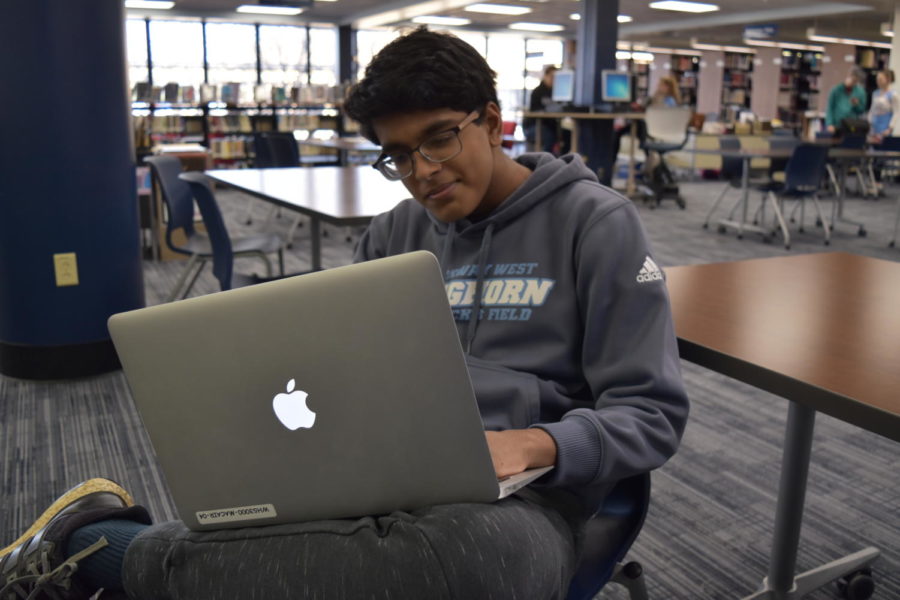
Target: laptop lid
point(335, 394)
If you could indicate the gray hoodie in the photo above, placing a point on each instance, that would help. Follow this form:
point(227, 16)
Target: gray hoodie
point(574, 333)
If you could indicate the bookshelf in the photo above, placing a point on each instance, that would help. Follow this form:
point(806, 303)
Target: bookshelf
point(737, 83)
point(227, 117)
point(686, 70)
point(798, 86)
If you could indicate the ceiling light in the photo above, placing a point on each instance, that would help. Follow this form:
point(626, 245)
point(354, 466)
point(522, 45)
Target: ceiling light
point(812, 35)
point(623, 55)
point(436, 20)
point(624, 19)
point(542, 27)
point(262, 9)
point(575, 16)
point(718, 48)
point(790, 45)
point(498, 9)
point(887, 30)
point(152, 4)
point(680, 6)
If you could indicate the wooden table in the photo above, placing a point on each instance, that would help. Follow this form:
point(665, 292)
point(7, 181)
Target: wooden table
point(820, 330)
point(631, 117)
point(343, 196)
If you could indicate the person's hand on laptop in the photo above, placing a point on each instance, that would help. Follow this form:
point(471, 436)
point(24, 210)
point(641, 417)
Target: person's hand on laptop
point(516, 450)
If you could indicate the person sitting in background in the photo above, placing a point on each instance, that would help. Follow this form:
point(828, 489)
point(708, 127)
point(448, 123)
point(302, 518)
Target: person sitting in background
point(847, 100)
point(541, 98)
point(885, 109)
point(667, 93)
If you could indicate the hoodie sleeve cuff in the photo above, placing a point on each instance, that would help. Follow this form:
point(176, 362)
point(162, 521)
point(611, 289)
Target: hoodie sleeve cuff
point(579, 450)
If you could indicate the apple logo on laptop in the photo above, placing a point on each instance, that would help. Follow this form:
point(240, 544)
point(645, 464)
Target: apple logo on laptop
point(291, 409)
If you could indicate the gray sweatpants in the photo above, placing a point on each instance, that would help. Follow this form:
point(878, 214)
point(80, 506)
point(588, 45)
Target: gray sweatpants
point(522, 547)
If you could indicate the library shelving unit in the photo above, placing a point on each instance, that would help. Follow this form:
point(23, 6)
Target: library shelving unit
point(798, 85)
point(640, 77)
point(686, 70)
point(226, 125)
point(737, 83)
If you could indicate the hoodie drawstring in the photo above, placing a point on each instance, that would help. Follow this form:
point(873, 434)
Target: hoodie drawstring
point(479, 284)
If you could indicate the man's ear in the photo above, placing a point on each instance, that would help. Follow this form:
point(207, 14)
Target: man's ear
point(493, 121)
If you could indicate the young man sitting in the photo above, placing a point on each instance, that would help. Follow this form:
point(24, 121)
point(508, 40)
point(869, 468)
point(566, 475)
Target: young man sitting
point(581, 372)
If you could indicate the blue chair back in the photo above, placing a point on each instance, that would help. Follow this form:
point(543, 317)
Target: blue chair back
point(781, 142)
point(261, 152)
point(889, 143)
point(282, 148)
point(806, 168)
point(177, 196)
point(223, 254)
point(732, 166)
point(609, 535)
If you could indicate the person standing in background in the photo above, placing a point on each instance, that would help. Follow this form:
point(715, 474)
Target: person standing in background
point(885, 109)
point(847, 100)
point(541, 97)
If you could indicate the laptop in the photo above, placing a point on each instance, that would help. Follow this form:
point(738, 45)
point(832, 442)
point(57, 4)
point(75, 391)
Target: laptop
point(337, 394)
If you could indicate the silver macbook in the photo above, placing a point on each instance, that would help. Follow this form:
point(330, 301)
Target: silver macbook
point(336, 394)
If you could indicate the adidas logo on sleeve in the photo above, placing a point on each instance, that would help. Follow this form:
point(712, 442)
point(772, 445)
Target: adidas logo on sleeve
point(650, 271)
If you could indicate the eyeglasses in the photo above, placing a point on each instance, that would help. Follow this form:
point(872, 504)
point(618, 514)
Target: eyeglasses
point(439, 148)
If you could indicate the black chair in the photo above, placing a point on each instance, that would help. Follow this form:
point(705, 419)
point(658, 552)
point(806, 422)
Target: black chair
point(223, 247)
point(608, 536)
point(666, 131)
point(179, 202)
point(732, 171)
point(803, 176)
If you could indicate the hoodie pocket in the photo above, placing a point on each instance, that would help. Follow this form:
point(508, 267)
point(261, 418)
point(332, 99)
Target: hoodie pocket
point(507, 399)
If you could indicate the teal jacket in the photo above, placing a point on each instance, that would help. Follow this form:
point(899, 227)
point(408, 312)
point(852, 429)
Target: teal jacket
point(840, 106)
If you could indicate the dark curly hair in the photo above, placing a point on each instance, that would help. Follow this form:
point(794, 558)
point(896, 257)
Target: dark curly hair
point(422, 70)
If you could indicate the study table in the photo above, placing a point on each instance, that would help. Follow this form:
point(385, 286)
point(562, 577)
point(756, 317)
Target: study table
point(837, 154)
point(821, 331)
point(343, 196)
point(631, 117)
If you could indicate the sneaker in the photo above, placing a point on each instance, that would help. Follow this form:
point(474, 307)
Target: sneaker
point(35, 565)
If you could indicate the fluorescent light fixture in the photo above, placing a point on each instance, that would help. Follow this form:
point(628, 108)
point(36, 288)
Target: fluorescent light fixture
point(436, 20)
point(623, 55)
point(151, 4)
point(680, 6)
point(498, 9)
point(642, 57)
point(812, 35)
point(542, 27)
point(624, 19)
point(886, 30)
point(789, 45)
point(716, 47)
point(262, 9)
point(575, 16)
point(680, 51)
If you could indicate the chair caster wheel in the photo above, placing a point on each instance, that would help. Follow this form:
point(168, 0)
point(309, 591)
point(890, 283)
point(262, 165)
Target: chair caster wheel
point(740, 236)
point(681, 203)
point(767, 240)
point(706, 226)
point(787, 246)
point(633, 570)
point(827, 242)
point(862, 232)
point(801, 230)
point(721, 229)
point(290, 246)
point(248, 222)
point(891, 245)
point(858, 585)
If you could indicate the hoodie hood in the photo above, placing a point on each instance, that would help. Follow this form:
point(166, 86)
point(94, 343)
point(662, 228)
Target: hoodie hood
point(549, 175)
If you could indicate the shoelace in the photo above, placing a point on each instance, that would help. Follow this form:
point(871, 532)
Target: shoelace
point(49, 581)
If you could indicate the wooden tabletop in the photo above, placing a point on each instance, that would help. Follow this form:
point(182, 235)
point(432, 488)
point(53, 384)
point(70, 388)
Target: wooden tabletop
point(341, 195)
point(819, 329)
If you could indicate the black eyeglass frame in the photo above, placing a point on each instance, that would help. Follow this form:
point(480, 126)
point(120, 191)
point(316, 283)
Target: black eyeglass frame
point(379, 162)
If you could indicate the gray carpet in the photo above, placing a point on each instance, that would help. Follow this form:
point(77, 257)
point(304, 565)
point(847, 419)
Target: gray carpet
point(708, 533)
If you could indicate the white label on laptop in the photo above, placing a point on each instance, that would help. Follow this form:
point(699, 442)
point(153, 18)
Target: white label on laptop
point(239, 513)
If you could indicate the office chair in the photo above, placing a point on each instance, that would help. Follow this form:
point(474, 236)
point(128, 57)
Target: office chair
point(666, 131)
point(271, 150)
point(223, 247)
point(179, 203)
point(804, 172)
point(732, 171)
point(608, 536)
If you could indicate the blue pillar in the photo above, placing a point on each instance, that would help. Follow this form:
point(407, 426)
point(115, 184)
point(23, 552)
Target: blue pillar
point(598, 31)
point(67, 186)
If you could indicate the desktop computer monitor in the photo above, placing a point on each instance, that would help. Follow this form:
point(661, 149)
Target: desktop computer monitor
point(615, 86)
point(563, 86)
